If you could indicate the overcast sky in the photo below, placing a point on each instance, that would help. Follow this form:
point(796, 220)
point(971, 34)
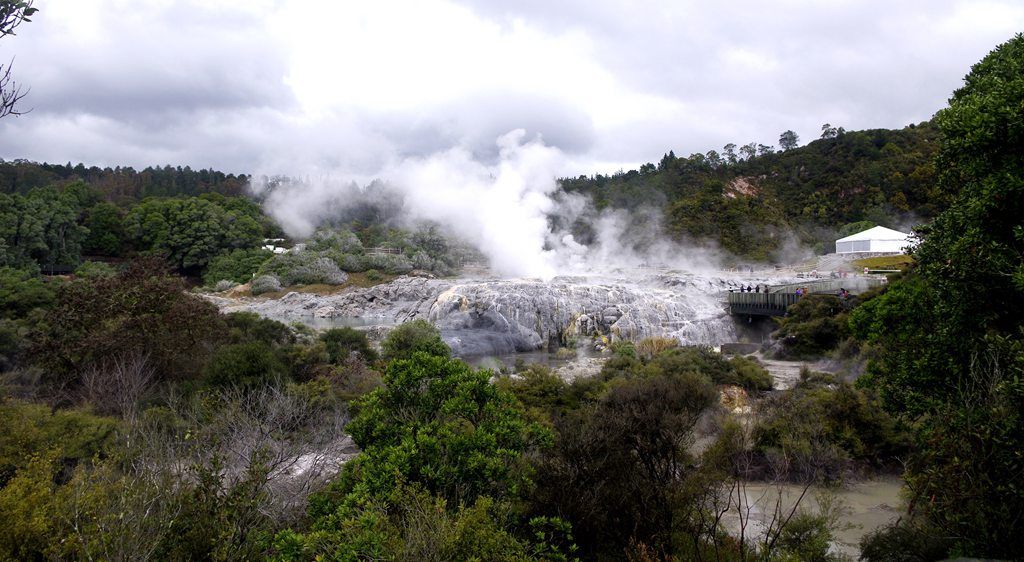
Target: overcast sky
point(306, 87)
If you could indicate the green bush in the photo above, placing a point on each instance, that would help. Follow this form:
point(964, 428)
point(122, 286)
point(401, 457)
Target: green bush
point(704, 360)
point(224, 285)
point(238, 266)
point(305, 267)
point(537, 386)
point(33, 429)
point(246, 365)
point(94, 269)
point(822, 429)
point(338, 240)
point(413, 336)
point(21, 292)
point(265, 284)
point(341, 342)
point(747, 373)
point(350, 262)
point(246, 327)
point(395, 264)
point(814, 326)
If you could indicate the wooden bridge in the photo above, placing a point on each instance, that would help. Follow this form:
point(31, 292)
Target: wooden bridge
point(779, 298)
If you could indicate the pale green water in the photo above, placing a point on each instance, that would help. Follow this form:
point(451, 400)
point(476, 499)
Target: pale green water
point(866, 506)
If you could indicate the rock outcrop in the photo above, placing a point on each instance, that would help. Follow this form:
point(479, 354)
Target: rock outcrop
point(500, 316)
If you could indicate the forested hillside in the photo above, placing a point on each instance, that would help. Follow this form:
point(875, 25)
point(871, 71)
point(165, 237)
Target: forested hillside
point(747, 200)
point(750, 201)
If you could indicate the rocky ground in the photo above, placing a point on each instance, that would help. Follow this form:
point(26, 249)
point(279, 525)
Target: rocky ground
point(488, 316)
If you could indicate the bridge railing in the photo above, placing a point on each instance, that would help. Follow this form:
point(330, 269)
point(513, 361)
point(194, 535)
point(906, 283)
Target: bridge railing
point(761, 304)
point(854, 285)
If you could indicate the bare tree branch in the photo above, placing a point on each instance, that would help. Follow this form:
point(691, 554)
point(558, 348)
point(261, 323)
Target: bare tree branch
point(10, 93)
point(12, 14)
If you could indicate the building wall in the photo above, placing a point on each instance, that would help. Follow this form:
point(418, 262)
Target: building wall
point(882, 246)
point(895, 246)
point(854, 246)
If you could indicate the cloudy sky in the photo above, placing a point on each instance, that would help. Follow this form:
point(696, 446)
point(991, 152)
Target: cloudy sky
point(305, 86)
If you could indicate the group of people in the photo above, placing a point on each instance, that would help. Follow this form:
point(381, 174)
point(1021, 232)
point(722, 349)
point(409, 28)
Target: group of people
point(799, 291)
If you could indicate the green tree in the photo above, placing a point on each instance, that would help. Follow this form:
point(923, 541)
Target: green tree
point(438, 435)
point(141, 310)
point(341, 342)
point(410, 337)
point(106, 231)
point(238, 266)
point(443, 425)
point(244, 365)
point(951, 335)
point(21, 292)
point(189, 232)
point(788, 140)
point(618, 469)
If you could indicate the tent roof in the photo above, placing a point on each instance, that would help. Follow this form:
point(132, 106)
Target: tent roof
point(876, 233)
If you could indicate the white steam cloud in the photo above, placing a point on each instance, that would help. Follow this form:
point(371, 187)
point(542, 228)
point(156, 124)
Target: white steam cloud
point(505, 209)
point(502, 209)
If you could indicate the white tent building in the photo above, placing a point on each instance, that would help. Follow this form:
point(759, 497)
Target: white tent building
point(878, 239)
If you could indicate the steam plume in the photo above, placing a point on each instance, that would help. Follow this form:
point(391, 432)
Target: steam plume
point(506, 209)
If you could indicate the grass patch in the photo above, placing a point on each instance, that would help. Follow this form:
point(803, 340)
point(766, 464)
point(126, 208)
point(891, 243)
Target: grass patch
point(884, 262)
point(359, 280)
point(362, 280)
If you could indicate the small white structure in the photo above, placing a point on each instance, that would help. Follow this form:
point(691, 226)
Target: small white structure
point(875, 240)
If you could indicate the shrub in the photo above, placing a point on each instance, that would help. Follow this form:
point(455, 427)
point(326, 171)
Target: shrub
point(248, 326)
point(413, 336)
point(343, 241)
point(350, 262)
point(340, 342)
point(649, 347)
point(421, 260)
point(813, 326)
point(92, 269)
point(319, 270)
point(139, 310)
point(224, 285)
point(22, 291)
point(538, 387)
point(238, 266)
point(374, 275)
point(622, 365)
point(698, 359)
point(247, 365)
point(821, 429)
point(265, 284)
point(305, 267)
point(394, 264)
point(748, 374)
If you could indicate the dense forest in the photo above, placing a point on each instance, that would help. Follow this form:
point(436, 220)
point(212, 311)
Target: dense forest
point(141, 423)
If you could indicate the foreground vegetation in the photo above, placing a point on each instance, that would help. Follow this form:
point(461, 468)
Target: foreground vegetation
point(144, 425)
point(945, 340)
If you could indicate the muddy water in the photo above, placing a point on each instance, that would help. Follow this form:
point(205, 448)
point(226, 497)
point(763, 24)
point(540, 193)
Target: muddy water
point(865, 506)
